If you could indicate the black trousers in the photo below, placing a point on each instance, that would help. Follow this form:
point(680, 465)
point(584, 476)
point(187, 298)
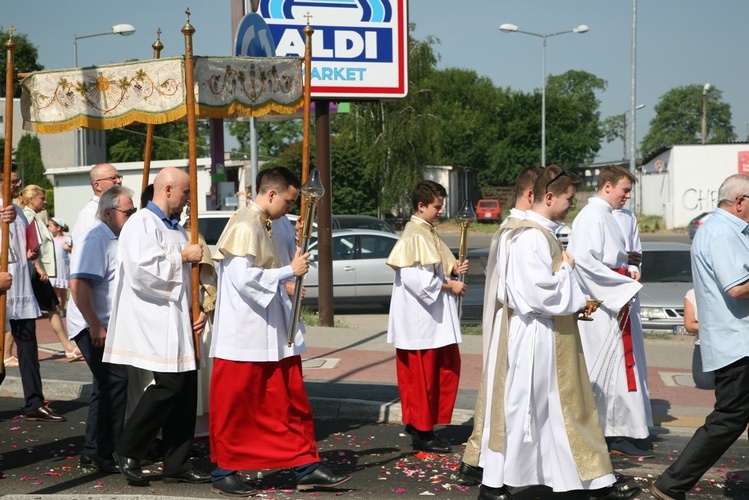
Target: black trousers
point(106, 410)
point(722, 428)
point(168, 405)
point(24, 333)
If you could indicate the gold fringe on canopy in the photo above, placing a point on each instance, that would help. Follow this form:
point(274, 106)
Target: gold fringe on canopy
point(153, 92)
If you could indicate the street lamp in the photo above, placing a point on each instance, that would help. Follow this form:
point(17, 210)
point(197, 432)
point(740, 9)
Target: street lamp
point(511, 28)
point(704, 111)
point(624, 131)
point(117, 29)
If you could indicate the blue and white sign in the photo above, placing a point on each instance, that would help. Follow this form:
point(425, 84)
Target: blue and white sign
point(359, 48)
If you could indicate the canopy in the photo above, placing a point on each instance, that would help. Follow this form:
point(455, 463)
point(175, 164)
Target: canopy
point(153, 92)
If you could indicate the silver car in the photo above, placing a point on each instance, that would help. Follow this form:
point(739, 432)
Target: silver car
point(666, 278)
point(360, 274)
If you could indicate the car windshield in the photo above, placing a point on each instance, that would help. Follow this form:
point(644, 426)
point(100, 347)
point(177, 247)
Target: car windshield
point(667, 266)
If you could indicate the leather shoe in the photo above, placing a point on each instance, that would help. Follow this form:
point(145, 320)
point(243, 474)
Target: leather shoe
point(626, 448)
point(470, 474)
point(489, 493)
point(232, 486)
point(130, 468)
point(108, 466)
point(615, 493)
point(85, 462)
point(45, 414)
point(191, 476)
point(660, 495)
point(322, 477)
point(432, 445)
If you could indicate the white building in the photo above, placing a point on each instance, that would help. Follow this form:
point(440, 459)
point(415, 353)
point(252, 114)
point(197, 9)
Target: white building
point(680, 182)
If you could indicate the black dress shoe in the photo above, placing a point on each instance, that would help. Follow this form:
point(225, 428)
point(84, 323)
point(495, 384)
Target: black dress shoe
point(191, 476)
point(107, 466)
point(130, 468)
point(489, 493)
point(615, 493)
point(322, 477)
point(432, 445)
point(470, 474)
point(85, 462)
point(44, 414)
point(232, 486)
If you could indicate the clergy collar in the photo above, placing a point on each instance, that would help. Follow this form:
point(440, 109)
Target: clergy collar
point(543, 221)
point(597, 200)
point(168, 221)
point(254, 206)
point(419, 219)
point(95, 198)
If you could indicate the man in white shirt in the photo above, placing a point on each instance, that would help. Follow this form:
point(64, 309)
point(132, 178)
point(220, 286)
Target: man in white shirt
point(614, 349)
point(151, 328)
point(541, 424)
point(260, 414)
point(470, 470)
point(92, 285)
point(102, 177)
point(424, 324)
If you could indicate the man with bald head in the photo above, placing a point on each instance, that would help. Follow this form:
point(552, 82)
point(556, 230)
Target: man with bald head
point(102, 177)
point(151, 328)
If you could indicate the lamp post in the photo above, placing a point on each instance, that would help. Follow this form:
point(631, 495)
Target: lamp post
point(624, 131)
point(705, 89)
point(117, 29)
point(511, 28)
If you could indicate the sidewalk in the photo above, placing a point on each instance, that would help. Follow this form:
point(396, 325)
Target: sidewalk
point(350, 375)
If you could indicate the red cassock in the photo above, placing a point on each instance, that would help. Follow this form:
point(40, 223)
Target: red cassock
point(260, 415)
point(428, 385)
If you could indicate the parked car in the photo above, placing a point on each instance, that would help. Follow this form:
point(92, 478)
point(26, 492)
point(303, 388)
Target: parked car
point(353, 222)
point(211, 224)
point(666, 278)
point(360, 274)
point(488, 210)
point(695, 223)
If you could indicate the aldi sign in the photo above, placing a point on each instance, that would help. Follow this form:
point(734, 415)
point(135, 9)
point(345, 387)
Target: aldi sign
point(359, 48)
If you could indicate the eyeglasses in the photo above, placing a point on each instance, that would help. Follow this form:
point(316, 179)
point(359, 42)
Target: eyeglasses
point(560, 174)
point(16, 182)
point(127, 213)
point(111, 178)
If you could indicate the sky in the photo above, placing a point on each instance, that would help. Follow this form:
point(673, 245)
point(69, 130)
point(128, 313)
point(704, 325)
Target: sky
point(679, 42)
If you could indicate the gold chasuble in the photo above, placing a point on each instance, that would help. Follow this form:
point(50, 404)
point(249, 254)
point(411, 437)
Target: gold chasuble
point(581, 419)
point(248, 233)
point(420, 245)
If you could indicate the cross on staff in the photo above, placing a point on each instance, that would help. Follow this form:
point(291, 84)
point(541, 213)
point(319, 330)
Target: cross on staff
point(11, 29)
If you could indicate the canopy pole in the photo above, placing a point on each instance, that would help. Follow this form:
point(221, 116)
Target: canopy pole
point(157, 46)
point(10, 47)
point(308, 31)
point(188, 30)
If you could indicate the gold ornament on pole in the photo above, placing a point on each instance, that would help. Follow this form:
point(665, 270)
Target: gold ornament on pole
point(466, 217)
point(312, 190)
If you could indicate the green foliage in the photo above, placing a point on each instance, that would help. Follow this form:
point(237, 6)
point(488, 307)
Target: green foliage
point(272, 137)
point(28, 157)
point(650, 223)
point(24, 60)
point(50, 201)
point(169, 142)
point(678, 119)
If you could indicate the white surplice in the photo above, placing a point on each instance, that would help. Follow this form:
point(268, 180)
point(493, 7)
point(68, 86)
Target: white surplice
point(150, 326)
point(537, 449)
point(598, 245)
point(21, 303)
point(422, 315)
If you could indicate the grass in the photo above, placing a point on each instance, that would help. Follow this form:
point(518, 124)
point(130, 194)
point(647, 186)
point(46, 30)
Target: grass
point(311, 318)
point(471, 330)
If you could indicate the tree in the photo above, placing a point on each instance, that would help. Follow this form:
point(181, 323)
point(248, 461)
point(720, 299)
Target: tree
point(272, 137)
point(24, 60)
point(678, 119)
point(29, 159)
point(169, 142)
